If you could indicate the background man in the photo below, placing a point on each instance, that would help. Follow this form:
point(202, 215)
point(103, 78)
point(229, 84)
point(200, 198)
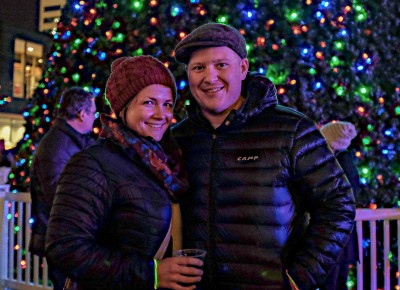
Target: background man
point(67, 136)
point(256, 170)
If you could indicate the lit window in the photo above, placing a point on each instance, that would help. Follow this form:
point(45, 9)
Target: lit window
point(28, 67)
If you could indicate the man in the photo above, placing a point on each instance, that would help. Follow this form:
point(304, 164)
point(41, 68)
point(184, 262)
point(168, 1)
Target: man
point(257, 171)
point(67, 136)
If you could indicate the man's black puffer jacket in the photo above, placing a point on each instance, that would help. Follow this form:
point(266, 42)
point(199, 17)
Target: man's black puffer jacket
point(120, 216)
point(253, 181)
point(54, 150)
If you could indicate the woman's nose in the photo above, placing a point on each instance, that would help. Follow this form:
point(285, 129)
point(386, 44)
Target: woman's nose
point(160, 112)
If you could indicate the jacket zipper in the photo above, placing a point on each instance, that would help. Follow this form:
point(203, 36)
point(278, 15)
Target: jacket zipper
point(212, 212)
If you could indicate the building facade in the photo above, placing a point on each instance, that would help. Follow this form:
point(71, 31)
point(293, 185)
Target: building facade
point(26, 28)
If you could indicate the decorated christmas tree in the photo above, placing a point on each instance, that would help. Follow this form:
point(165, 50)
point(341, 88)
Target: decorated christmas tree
point(332, 60)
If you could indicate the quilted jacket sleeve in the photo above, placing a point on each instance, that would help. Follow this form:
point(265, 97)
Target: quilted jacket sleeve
point(82, 205)
point(325, 193)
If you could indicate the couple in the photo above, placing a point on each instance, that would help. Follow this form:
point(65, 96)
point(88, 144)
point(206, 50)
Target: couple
point(255, 171)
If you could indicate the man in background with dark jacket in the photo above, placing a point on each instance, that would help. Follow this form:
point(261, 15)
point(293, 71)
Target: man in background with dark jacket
point(257, 170)
point(68, 135)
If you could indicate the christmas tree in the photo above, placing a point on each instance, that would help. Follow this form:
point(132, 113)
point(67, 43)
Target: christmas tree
point(332, 60)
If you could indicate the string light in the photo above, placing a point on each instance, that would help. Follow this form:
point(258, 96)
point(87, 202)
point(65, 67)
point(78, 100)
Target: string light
point(153, 21)
point(182, 35)
point(153, 3)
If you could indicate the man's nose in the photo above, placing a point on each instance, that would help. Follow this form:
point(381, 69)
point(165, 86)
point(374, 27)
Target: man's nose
point(211, 75)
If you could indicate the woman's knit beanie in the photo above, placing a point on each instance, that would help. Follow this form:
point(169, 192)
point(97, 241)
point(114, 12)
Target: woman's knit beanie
point(338, 134)
point(130, 75)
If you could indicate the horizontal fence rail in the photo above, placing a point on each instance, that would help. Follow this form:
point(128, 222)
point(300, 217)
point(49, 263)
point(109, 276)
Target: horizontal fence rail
point(378, 235)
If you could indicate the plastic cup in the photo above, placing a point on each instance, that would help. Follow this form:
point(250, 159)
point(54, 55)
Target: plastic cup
point(194, 253)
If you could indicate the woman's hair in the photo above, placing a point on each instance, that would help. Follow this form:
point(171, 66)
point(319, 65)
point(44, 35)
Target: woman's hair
point(72, 101)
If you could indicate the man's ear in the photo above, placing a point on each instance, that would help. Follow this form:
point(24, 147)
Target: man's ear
point(81, 115)
point(244, 66)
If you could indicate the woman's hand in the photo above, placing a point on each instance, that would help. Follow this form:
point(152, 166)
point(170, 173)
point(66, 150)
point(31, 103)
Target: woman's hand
point(179, 273)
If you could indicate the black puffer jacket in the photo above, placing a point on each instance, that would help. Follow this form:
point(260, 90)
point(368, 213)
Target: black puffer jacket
point(121, 214)
point(54, 150)
point(253, 180)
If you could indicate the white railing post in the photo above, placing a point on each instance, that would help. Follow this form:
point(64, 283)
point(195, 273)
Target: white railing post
point(3, 238)
point(360, 268)
point(27, 238)
point(386, 250)
point(398, 252)
point(373, 266)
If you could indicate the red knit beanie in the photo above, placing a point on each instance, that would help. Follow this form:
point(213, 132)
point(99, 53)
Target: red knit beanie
point(130, 75)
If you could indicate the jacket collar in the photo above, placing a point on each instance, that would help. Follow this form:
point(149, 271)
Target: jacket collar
point(81, 140)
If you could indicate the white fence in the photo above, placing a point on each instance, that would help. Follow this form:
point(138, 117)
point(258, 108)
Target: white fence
point(20, 270)
point(389, 223)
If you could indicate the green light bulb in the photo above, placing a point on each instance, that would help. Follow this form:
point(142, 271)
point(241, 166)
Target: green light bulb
point(175, 11)
point(137, 5)
point(118, 38)
point(340, 91)
point(365, 170)
point(334, 61)
point(366, 140)
point(292, 15)
point(222, 19)
point(138, 52)
point(339, 45)
point(116, 24)
point(76, 77)
point(248, 48)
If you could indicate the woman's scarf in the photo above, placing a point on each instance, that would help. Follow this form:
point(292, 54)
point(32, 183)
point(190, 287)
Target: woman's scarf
point(149, 152)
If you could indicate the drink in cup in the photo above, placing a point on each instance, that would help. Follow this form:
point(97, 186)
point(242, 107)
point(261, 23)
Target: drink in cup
point(194, 253)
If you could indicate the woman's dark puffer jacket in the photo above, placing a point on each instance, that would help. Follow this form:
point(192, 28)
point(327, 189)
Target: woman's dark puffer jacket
point(254, 180)
point(119, 217)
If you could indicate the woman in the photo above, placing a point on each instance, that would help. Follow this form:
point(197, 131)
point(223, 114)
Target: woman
point(338, 135)
point(112, 209)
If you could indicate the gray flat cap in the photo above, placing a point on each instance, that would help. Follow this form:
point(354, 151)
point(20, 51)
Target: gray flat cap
point(210, 35)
